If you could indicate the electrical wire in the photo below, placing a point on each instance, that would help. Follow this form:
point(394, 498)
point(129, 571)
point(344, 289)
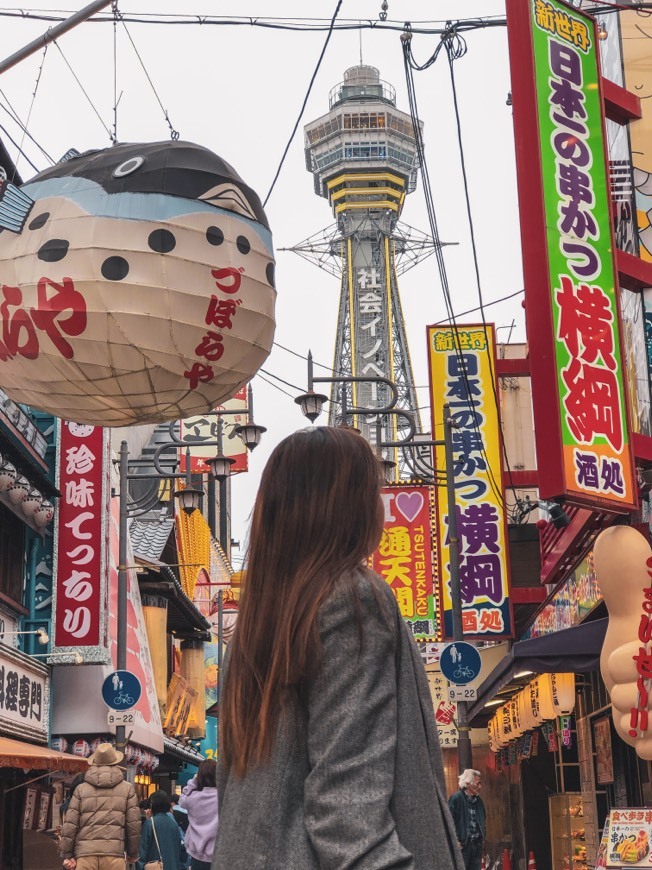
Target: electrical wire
point(13, 142)
point(83, 90)
point(174, 135)
point(272, 384)
point(305, 100)
point(31, 106)
point(14, 117)
point(455, 49)
point(425, 26)
point(276, 377)
point(406, 40)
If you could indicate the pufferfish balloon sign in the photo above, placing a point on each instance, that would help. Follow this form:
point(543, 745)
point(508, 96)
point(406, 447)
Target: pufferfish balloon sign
point(136, 285)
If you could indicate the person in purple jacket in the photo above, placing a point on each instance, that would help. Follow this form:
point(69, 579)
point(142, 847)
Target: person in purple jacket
point(199, 797)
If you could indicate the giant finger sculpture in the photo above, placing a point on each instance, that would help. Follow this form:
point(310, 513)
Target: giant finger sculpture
point(623, 564)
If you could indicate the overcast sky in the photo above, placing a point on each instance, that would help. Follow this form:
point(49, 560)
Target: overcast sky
point(238, 91)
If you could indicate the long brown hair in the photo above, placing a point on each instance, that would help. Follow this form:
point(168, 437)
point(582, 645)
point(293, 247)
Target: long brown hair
point(316, 518)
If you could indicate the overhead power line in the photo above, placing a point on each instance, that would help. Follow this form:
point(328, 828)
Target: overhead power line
point(305, 100)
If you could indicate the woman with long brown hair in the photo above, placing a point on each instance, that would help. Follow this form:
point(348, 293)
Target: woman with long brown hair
point(329, 755)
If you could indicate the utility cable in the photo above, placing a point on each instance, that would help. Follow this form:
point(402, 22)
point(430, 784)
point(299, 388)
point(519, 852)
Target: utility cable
point(276, 378)
point(272, 384)
point(406, 40)
point(114, 9)
point(13, 142)
point(300, 25)
point(305, 100)
point(174, 135)
point(31, 106)
point(83, 90)
point(456, 48)
point(15, 118)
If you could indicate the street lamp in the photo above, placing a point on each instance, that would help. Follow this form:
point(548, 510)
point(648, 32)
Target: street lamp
point(428, 474)
point(189, 499)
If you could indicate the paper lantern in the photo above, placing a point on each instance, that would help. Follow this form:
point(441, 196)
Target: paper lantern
point(155, 762)
point(137, 285)
point(8, 474)
point(19, 490)
point(517, 725)
point(59, 744)
point(563, 693)
point(44, 514)
point(533, 702)
point(81, 748)
point(130, 753)
point(504, 730)
point(524, 710)
point(32, 503)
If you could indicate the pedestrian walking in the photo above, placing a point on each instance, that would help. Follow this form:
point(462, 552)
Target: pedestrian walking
point(326, 721)
point(199, 798)
point(161, 839)
point(469, 816)
point(103, 820)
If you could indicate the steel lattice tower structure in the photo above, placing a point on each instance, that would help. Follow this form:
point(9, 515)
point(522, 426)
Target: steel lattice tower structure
point(363, 157)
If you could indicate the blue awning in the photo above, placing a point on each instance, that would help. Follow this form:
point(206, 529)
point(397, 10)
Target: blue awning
point(573, 650)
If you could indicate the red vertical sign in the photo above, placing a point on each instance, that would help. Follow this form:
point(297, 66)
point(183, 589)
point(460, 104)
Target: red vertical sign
point(80, 576)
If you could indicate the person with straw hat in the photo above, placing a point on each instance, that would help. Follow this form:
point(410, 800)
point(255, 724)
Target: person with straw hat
point(102, 824)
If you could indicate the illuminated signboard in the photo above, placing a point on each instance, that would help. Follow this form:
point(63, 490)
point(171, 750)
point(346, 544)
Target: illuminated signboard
point(406, 559)
point(80, 569)
point(573, 319)
point(461, 364)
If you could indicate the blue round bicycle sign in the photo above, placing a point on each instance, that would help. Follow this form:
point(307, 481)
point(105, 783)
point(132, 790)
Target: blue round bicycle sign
point(460, 662)
point(121, 690)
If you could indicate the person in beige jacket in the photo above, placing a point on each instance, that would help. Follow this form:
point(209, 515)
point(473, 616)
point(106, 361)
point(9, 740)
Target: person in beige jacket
point(103, 820)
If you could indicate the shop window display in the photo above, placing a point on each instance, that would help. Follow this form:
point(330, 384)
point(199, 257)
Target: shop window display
point(567, 833)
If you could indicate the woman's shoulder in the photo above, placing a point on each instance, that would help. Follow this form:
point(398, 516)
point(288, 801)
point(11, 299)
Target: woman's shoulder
point(360, 595)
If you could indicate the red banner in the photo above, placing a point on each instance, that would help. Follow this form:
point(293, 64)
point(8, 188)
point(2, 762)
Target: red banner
point(79, 601)
point(405, 557)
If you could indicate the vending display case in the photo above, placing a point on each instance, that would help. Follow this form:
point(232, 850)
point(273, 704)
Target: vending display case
point(567, 831)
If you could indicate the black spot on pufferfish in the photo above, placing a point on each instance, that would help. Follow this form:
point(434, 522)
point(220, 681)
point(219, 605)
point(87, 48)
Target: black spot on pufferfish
point(53, 250)
point(115, 268)
point(243, 244)
point(39, 221)
point(270, 274)
point(162, 241)
point(214, 236)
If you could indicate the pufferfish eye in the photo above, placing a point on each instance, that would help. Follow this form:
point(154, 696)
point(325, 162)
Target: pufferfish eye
point(128, 167)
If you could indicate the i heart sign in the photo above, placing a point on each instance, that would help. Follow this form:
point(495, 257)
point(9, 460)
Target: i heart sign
point(409, 504)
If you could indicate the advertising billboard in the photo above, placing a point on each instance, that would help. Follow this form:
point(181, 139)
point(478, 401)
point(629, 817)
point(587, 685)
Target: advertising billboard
point(571, 290)
point(80, 567)
point(194, 430)
point(462, 366)
point(406, 556)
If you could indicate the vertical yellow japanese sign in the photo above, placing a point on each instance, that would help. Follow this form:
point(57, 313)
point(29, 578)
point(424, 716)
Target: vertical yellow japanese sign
point(461, 371)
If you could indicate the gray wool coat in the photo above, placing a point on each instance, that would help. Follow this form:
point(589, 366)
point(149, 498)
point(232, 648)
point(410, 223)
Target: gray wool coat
point(355, 779)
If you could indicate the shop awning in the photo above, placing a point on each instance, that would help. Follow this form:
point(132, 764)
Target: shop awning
point(573, 650)
point(15, 753)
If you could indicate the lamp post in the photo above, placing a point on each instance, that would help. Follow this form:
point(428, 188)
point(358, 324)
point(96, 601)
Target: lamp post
point(189, 499)
point(311, 405)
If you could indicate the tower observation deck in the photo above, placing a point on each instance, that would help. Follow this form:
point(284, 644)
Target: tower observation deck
point(363, 158)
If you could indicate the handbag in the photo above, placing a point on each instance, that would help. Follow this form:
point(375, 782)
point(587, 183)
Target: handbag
point(155, 865)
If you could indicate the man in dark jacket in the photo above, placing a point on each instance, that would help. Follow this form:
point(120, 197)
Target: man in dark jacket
point(469, 817)
point(103, 820)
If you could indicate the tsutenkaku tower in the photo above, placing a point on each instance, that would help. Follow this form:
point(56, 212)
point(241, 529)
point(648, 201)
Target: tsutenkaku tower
point(363, 157)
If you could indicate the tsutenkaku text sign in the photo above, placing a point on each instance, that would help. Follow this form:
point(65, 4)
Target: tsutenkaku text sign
point(579, 396)
point(461, 371)
point(405, 557)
